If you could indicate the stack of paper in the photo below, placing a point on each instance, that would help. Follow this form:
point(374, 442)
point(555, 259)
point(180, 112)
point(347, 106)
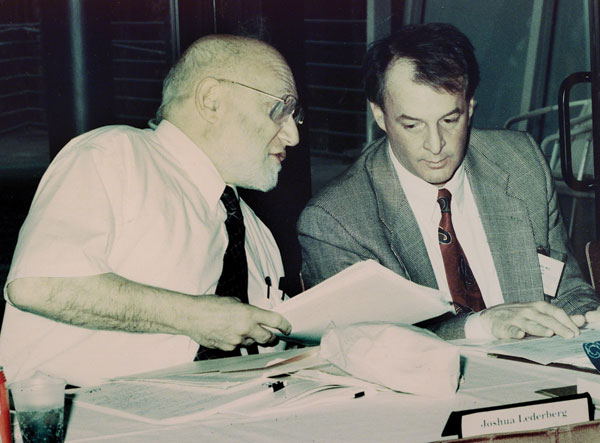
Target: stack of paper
point(543, 350)
point(247, 386)
point(363, 292)
point(256, 384)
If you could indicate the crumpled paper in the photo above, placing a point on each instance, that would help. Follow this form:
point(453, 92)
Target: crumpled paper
point(400, 357)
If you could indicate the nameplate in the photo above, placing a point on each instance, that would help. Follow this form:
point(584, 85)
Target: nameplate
point(526, 416)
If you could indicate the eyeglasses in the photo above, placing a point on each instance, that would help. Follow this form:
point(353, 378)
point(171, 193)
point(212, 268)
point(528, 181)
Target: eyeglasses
point(286, 106)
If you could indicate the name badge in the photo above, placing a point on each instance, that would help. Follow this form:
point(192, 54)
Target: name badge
point(551, 269)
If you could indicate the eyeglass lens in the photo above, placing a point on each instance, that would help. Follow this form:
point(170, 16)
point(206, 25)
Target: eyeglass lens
point(283, 109)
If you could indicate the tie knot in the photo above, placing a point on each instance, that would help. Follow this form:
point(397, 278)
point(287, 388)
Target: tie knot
point(231, 202)
point(443, 199)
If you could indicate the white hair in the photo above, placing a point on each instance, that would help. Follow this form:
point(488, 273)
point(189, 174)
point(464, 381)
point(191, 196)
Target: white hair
point(211, 56)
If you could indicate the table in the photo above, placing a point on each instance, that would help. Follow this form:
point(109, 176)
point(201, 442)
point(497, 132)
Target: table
point(381, 417)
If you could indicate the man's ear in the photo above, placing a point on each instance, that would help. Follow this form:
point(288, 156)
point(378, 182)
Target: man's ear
point(471, 108)
point(378, 115)
point(208, 99)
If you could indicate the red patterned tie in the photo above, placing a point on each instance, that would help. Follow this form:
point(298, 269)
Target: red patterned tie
point(461, 281)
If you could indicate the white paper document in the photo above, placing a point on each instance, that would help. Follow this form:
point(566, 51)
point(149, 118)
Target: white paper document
point(544, 350)
point(171, 398)
point(363, 292)
point(266, 363)
point(162, 403)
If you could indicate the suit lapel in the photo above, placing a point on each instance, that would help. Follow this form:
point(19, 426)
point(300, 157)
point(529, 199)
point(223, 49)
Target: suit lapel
point(506, 224)
point(395, 213)
point(503, 214)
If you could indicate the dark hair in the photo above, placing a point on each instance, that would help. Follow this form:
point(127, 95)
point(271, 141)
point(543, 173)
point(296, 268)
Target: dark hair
point(443, 57)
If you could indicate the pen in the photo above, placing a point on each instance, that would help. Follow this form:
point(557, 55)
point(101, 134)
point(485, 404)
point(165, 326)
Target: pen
point(282, 286)
point(268, 283)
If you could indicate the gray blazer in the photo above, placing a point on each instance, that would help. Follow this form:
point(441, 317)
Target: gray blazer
point(364, 214)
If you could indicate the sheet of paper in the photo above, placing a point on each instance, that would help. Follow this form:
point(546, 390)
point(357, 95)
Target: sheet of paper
point(249, 362)
point(215, 380)
point(302, 392)
point(591, 387)
point(545, 350)
point(191, 391)
point(498, 380)
point(162, 403)
point(167, 403)
point(365, 291)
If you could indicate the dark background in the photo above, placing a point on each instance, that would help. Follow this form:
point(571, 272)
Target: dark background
point(68, 66)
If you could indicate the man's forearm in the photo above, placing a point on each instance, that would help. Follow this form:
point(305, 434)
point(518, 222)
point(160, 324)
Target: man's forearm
point(111, 302)
point(104, 301)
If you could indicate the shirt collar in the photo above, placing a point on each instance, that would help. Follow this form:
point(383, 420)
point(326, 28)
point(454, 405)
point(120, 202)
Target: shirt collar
point(194, 163)
point(456, 186)
point(422, 196)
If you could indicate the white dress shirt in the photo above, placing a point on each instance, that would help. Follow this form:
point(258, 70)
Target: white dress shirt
point(422, 197)
point(142, 204)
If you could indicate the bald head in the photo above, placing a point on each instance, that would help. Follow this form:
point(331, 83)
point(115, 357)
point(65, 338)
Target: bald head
point(222, 94)
point(217, 56)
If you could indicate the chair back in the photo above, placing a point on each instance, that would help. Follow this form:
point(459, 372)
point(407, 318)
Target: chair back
point(581, 154)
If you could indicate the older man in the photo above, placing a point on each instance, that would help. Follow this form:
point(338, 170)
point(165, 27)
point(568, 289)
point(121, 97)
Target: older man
point(134, 235)
point(473, 213)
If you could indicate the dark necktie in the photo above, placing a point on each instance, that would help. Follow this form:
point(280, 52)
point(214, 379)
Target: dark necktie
point(233, 281)
point(461, 281)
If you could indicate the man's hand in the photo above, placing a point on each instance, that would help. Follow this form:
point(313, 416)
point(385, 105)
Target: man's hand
point(539, 318)
point(226, 323)
point(593, 316)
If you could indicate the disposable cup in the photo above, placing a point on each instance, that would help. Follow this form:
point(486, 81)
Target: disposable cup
point(40, 403)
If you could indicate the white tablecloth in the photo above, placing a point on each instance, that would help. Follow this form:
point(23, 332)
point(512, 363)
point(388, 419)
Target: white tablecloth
point(376, 417)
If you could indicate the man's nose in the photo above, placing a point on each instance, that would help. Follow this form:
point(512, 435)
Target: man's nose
point(288, 133)
point(434, 141)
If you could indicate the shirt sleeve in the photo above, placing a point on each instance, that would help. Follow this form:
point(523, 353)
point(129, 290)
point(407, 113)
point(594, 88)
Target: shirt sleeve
point(474, 330)
point(69, 225)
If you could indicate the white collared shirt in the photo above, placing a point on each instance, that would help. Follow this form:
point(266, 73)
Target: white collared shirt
point(141, 204)
point(422, 197)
